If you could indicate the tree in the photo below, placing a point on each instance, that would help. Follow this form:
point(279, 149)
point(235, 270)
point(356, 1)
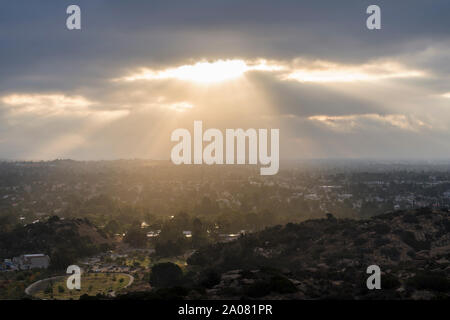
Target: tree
point(136, 237)
point(210, 279)
point(53, 219)
point(49, 289)
point(207, 206)
point(6, 222)
point(62, 258)
point(149, 218)
point(168, 248)
point(112, 227)
point(199, 235)
point(330, 217)
point(166, 274)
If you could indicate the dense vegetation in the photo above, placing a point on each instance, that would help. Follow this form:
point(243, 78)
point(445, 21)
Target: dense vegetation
point(328, 257)
point(64, 241)
point(317, 259)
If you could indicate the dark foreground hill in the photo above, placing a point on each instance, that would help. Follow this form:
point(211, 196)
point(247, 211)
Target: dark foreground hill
point(328, 258)
point(63, 240)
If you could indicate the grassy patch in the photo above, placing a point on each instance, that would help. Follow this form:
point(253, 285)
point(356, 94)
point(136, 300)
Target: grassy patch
point(91, 284)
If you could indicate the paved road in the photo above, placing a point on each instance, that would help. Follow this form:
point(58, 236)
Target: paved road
point(41, 284)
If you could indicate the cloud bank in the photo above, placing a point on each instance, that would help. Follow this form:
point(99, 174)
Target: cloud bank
point(138, 70)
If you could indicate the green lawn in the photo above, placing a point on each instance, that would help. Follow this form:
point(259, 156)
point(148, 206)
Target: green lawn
point(180, 262)
point(91, 284)
point(142, 261)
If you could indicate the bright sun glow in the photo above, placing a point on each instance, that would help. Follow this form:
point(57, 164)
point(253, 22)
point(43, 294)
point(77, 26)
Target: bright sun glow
point(180, 106)
point(351, 121)
point(205, 72)
point(328, 72)
point(57, 105)
point(47, 99)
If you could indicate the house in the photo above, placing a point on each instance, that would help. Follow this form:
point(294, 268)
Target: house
point(227, 237)
point(153, 234)
point(9, 265)
point(32, 261)
point(312, 196)
point(187, 233)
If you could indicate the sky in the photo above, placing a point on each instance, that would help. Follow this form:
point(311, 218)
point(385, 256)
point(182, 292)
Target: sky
point(138, 70)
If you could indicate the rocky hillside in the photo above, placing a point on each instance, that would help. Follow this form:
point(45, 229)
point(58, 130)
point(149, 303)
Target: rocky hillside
point(328, 258)
point(63, 240)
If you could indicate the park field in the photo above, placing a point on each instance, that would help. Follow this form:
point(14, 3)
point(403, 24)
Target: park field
point(91, 284)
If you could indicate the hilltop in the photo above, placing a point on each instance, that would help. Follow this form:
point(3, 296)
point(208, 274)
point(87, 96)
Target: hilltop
point(327, 258)
point(63, 240)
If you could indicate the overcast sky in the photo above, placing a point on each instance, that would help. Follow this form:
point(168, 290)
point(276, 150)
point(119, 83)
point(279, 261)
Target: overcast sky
point(140, 69)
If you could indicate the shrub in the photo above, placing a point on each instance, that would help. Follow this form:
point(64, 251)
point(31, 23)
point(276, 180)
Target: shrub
point(258, 289)
point(49, 289)
point(360, 241)
point(409, 238)
point(247, 274)
point(424, 211)
point(282, 285)
point(392, 253)
point(410, 218)
point(379, 242)
point(381, 228)
point(436, 282)
point(211, 278)
point(229, 291)
point(175, 293)
point(166, 275)
point(389, 281)
point(276, 283)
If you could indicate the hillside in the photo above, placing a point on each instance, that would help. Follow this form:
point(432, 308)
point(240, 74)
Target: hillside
point(63, 240)
point(327, 258)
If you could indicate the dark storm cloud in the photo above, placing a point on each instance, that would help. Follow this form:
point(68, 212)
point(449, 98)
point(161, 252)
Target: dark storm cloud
point(38, 52)
point(309, 99)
